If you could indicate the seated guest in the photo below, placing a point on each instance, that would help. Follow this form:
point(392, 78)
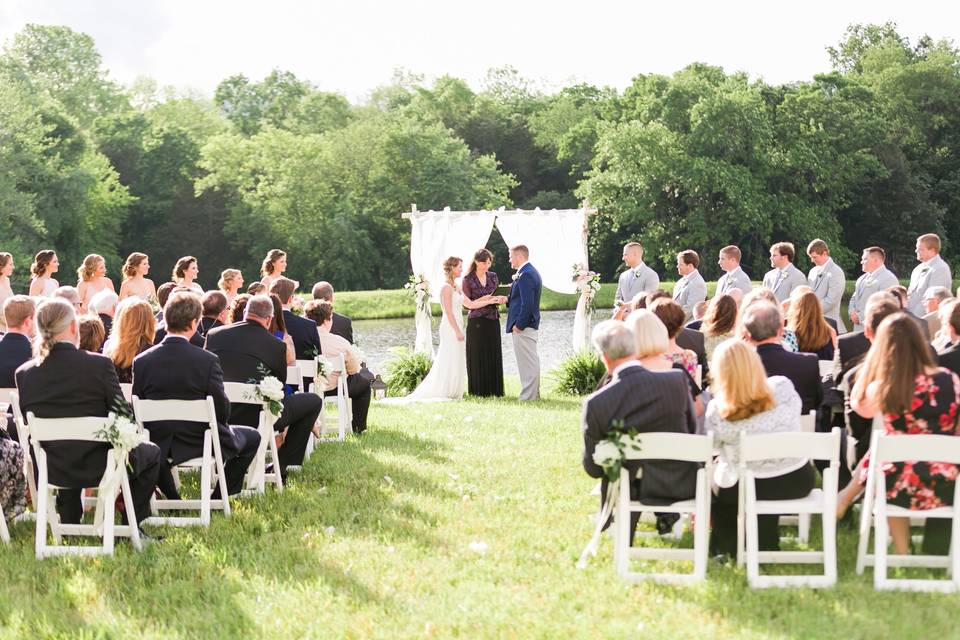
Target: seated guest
point(256, 288)
point(163, 293)
point(942, 340)
point(247, 348)
point(238, 308)
point(175, 370)
point(807, 322)
point(900, 382)
point(342, 325)
point(306, 342)
point(195, 339)
point(62, 381)
point(133, 333)
point(644, 400)
point(104, 304)
point(278, 327)
point(789, 341)
point(671, 315)
point(92, 333)
point(687, 338)
point(933, 297)
point(652, 343)
point(71, 295)
point(745, 400)
point(719, 323)
point(358, 387)
point(901, 292)
point(15, 348)
point(13, 484)
point(949, 358)
point(214, 311)
point(699, 310)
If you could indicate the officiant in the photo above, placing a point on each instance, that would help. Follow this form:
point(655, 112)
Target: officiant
point(484, 355)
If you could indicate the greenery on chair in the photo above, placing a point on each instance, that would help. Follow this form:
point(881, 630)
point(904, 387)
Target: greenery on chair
point(405, 370)
point(579, 374)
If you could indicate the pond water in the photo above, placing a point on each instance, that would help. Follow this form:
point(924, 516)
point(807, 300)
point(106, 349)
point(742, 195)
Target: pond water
point(376, 337)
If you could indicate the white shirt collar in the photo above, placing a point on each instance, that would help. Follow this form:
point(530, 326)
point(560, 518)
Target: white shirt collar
point(625, 365)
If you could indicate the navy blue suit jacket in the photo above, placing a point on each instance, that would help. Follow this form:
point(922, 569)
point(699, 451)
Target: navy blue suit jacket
point(523, 305)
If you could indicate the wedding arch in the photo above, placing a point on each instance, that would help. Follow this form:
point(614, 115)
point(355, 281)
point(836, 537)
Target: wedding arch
point(557, 239)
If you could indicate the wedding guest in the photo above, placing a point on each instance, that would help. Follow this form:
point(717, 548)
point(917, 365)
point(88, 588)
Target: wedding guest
point(71, 295)
point(672, 316)
point(949, 358)
point(6, 291)
point(745, 400)
point(238, 307)
point(876, 277)
point(13, 484)
point(358, 387)
point(62, 381)
point(278, 327)
point(900, 292)
point(104, 304)
point(132, 334)
point(256, 288)
point(14, 348)
point(45, 264)
point(733, 277)
point(652, 342)
point(163, 293)
point(901, 383)
point(230, 282)
point(806, 321)
point(784, 276)
point(185, 273)
point(648, 401)
point(92, 279)
point(932, 271)
point(214, 311)
point(273, 267)
point(789, 339)
point(174, 370)
point(637, 278)
point(943, 340)
point(342, 325)
point(687, 338)
point(933, 297)
point(484, 354)
point(720, 323)
point(690, 288)
point(135, 281)
point(245, 349)
point(303, 331)
point(827, 281)
point(699, 310)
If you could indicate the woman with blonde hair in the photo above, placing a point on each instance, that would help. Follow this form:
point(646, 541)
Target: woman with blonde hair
point(805, 319)
point(92, 279)
point(135, 283)
point(719, 322)
point(273, 267)
point(132, 333)
point(745, 400)
point(185, 273)
point(45, 264)
point(652, 340)
point(6, 270)
point(230, 282)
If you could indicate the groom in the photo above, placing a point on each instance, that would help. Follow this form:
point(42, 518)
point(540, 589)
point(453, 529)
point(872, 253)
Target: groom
point(523, 320)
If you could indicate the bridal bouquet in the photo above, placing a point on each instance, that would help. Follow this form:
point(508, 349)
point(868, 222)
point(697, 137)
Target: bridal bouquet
point(269, 391)
point(588, 283)
point(419, 288)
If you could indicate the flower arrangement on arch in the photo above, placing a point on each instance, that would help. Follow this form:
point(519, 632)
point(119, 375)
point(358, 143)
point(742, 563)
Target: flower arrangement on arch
point(588, 283)
point(418, 288)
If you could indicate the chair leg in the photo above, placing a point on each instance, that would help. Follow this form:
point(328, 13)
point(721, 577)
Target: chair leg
point(127, 494)
point(275, 455)
point(880, 550)
point(803, 528)
point(205, 488)
point(222, 483)
point(53, 518)
point(109, 520)
point(753, 533)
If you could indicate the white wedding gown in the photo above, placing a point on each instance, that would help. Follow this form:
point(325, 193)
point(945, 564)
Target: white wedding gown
point(448, 375)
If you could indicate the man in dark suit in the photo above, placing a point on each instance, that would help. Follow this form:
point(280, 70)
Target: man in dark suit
point(214, 312)
point(196, 339)
point(306, 340)
point(523, 320)
point(65, 382)
point(647, 401)
point(246, 349)
point(175, 370)
point(342, 325)
point(15, 348)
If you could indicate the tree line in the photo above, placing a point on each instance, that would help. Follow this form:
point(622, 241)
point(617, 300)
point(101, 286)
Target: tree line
point(865, 153)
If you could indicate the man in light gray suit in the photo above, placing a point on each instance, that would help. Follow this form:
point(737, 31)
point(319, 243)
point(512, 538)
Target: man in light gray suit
point(638, 278)
point(733, 277)
point(784, 277)
point(690, 288)
point(876, 277)
point(827, 281)
point(931, 272)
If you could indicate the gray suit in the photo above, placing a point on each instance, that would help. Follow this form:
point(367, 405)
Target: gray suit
point(828, 282)
point(648, 401)
point(688, 291)
point(731, 280)
point(783, 282)
point(935, 272)
point(640, 279)
point(867, 285)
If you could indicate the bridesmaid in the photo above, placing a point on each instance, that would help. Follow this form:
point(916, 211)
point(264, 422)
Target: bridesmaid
point(92, 279)
point(273, 267)
point(185, 273)
point(484, 356)
point(135, 283)
point(45, 264)
point(230, 282)
point(6, 269)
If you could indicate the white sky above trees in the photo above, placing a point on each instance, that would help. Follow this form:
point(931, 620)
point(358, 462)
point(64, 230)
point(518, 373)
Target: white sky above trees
point(353, 46)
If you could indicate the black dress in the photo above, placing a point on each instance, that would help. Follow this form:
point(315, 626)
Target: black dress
point(484, 355)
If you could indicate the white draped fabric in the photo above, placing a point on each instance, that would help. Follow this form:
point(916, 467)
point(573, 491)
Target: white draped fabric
point(556, 239)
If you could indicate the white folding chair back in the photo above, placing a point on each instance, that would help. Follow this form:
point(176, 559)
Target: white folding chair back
point(341, 402)
point(308, 369)
point(826, 368)
point(294, 378)
point(257, 476)
point(797, 444)
point(905, 448)
point(23, 436)
point(667, 446)
point(204, 413)
point(126, 388)
point(81, 429)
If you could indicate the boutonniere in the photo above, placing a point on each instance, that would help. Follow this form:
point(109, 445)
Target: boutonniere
point(515, 276)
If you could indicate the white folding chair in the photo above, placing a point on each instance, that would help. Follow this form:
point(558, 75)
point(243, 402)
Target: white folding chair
point(126, 388)
point(886, 449)
point(667, 446)
point(257, 476)
point(210, 463)
point(808, 424)
point(813, 446)
point(341, 401)
point(826, 368)
point(308, 370)
point(81, 429)
point(23, 435)
point(293, 376)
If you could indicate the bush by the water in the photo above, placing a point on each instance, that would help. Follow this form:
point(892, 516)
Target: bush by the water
point(405, 370)
point(580, 373)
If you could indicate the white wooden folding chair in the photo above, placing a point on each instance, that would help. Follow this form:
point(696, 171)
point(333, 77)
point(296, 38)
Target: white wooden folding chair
point(293, 376)
point(126, 388)
point(826, 368)
point(667, 446)
point(79, 429)
point(341, 401)
point(210, 463)
point(813, 446)
point(886, 449)
point(808, 424)
point(257, 475)
point(23, 435)
point(308, 370)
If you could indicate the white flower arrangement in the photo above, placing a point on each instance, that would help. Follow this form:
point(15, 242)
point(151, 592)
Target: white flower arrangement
point(123, 434)
point(588, 283)
point(320, 379)
point(269, 391)
point(418, 287)
point(610, 453)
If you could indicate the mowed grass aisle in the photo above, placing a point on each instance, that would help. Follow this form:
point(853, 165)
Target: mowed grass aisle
point(445, 520)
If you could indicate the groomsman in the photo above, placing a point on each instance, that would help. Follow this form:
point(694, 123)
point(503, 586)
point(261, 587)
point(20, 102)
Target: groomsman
point(733, 277)
point(827, 281)
point(931, 272)
point(784, 277)
point(876, 277)
point(690, 288)
point(638, 278)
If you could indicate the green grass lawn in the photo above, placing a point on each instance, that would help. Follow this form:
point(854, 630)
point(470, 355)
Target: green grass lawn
point(372, 540)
